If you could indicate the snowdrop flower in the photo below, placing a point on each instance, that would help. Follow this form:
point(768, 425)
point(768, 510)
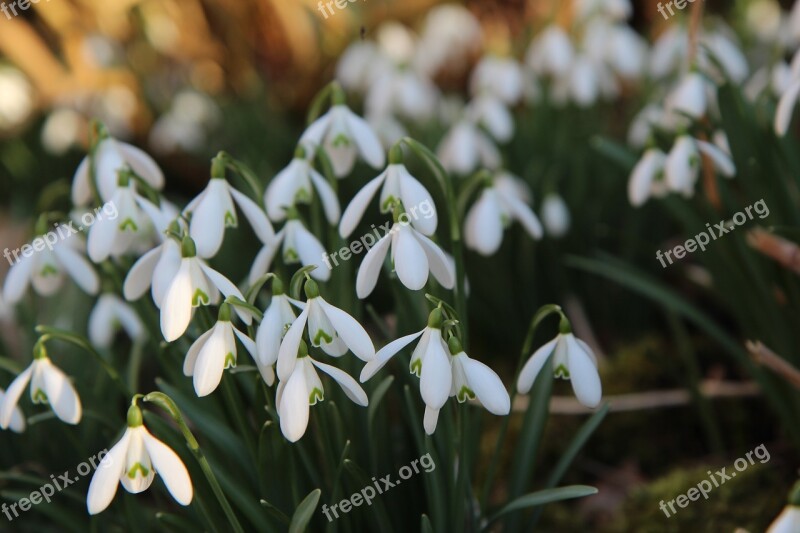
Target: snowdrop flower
point(492, 114)
point(555, 216)
point(726, 55)
point(398, 186)
point(682, 166)
point(786, 522)
point(471, 379)
point(645, 122)
point(345, 136)
point(278, 316)
point(302, 388)
point(358, 65)
point(214, 351)
point(48, 385)
point(783, 115)
point(213, 211)
point(45, 267)
point(154, 270)
point(449, 37)
point(194, 284)
point(573, 360)
point(689, 97)
point(497, 205)
point(498, 76)
point(109, 314)
point(298, 245)
point(551, 53)
point(404, 93)
point(413, 254)
point(133, 462)
point(668, 51)
point(295, 184)
point(329, 328)
point(466, 148)
point(111, 156)
point(647, 178)
point(17, 422)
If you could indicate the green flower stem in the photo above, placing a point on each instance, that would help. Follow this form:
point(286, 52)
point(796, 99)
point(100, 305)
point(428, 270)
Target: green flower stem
point(98, 132)
point(315, 109)
point(166, 403)
point(48, 332)
point(444, 179)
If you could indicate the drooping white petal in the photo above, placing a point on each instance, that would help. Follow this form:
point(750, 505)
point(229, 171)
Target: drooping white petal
point(287, 354)
point(310, 250)
point(284, 188)
point(13, 394)
point(349, 385)
point(487, 386)
point(524, 214)
point(789, 519)
point(442, 268)
point(17, 280)
point(682, 166)
point(139, 472)
point(386, 353)
point(368, 143)
point(410, 260)
point(270, 331)
point(106, 477)
point(140, 275)
point(212, 214)
point(168, 265)
point(264, 258)
point(176, 308)
point(227, 288)
point(81, 187)
point(355, 210)
point(78, 268)
point(17, 423)
point(583, 374)
point(721, 160)
point(783, 115)
point(689, 97)
point(194, 350)
point(437, 377)
point(170, 467)
point(142, 164)
point(533, 366)
point(350, 331)
point(101, 330)
point(483, 230)
point(418, 202)
point(255, 216)
point(644, 174)
point(212, 359)
point(371, 266)
point(430, 419)
point(293, 406)
point(61, 394)
point(330, 204)
point(316, 131)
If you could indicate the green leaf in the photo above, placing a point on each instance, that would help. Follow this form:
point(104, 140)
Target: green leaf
point(543, 497)
point(377, 395)
point(425, 525)
point(304, 512)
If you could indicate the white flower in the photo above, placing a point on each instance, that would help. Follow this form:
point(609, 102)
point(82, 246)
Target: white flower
point(647, 178)
point(399, 186)
point(302, 388)
point(17, 422)
point(214, 351)
point(613, 9)
point(389, 130)
point(551, 53)
point(498, 204)
point(689, 97)
point(555, 215)
point(213, 211)
point(109, 314)
point(194, 284)
point(682, 167)
point(450, 35)
point(492, 114)
point(329, 328)
point(110, 157)
point(404, 93)
point(293, 185)
point(45, 268)
point(413, 256)
point(786, 522)
point(278, 316)
point(501, 77)
point(358, 65)
point(49, 385)
point(133, 461)
point(720, 49)
point(298, 245)
point(645, 121)
point(466, 148)
point(345, 135)
point(573, 360)
point(154, 270)
point(783, 115)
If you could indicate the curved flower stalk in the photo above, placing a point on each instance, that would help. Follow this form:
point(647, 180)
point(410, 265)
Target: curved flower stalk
point(344, 136)
point(213, 210)
point(194, 284)
point(465, 148)
point(278, 317)
point(302, 388)
point(17, 421)
point(329, 328)
point(215, 350)
point(296, 184)
point(109, 314)
point(154, 270)
point(498, 204)
point(682, 167)
point(789, 519)
point(109, 157)
point(297, 245)
point(45, 268)
point(397, 186)
point(133, 462)
point(572, 359)
point(555, 215)
point(48, 385)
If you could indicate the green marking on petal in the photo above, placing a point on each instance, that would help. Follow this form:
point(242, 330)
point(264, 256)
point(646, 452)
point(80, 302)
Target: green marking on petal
point(230, 360)
point(302, 196)
point(322, 335)
point(39, 396)
point(141, 468)
point(230, 220)
point(48, 270)
point(465, 394)
point(389, 204)
point(341, 140)
point(128, 223)
point(561, 372)
point(200, 298)
point(315, 396)
point(416, 367)
point(290, 256)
